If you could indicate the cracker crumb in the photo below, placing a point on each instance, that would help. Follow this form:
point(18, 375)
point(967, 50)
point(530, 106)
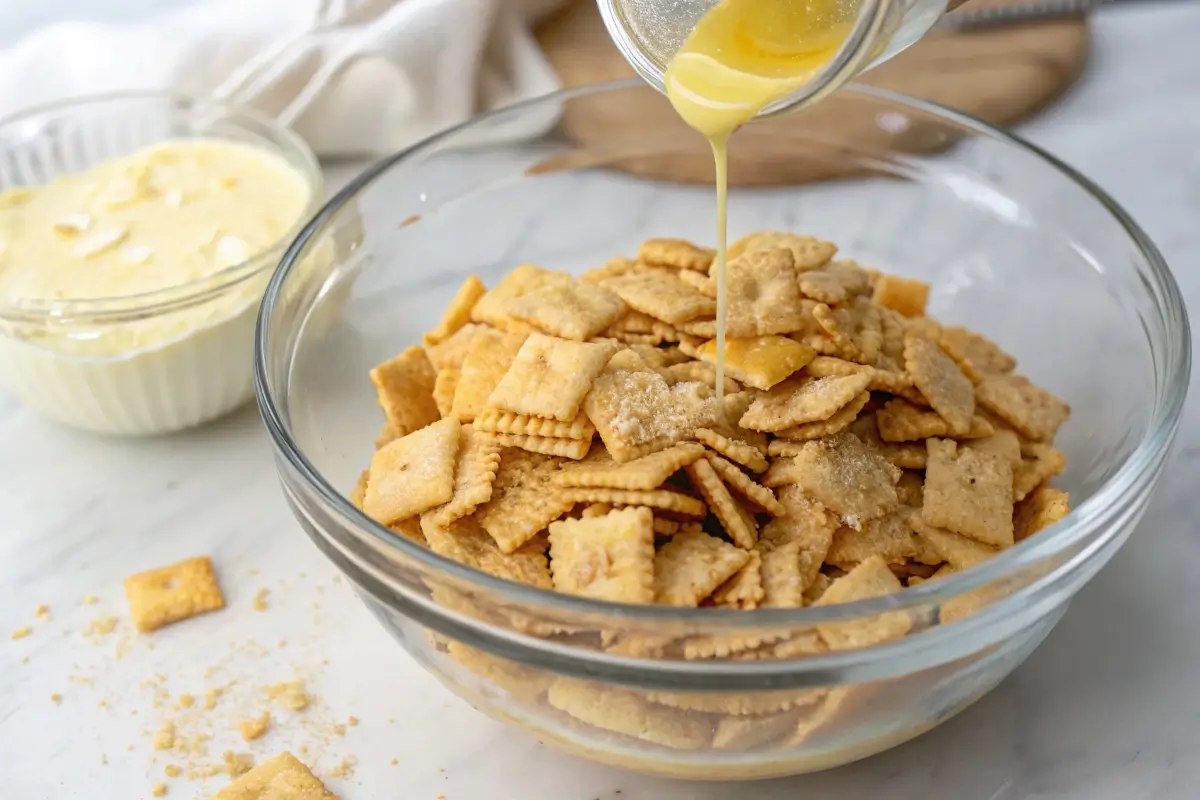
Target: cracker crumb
point(186, 700)
point(210, 698)
point(21, 633)
point(41, 611)
point(101, 626)
point(395, 761)
point(90, 600)
point(104, 759)
point(255, 728)
point(289, 694)
point(237, 764)
point(260, 599)
point(345, 769)
point(56, 698)
point(165, 738)
point(173, 770)
point(353, 721)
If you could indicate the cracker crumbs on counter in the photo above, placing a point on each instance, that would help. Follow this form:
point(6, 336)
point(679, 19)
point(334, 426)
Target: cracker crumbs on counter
point(21, 633)
point(159, 789)
point(352, 722)
point(260, 599)
point(41, 611)
point(173, 770)
point(256, 727)
point(272, 778)
point(101, 626)
point(345, 769)
point(186, 700)
point(289, 694)
point(237, 764)
point(165, 738)
point(56, 698)
point(90, 600)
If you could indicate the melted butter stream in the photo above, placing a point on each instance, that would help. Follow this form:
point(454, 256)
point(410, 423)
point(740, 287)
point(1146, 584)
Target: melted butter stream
point(740, 58)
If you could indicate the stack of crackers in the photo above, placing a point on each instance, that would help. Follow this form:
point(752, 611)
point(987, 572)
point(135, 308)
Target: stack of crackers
point(568, 433)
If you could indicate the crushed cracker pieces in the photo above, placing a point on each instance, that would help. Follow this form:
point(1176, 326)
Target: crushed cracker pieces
point(404, 388)
point(969, 492)
point(173, 593)
point(413, 473)
point(608, 557)
point(759, 361)
point(458, 313)
point(282, 777)
point(255, 727)
point(690, 567)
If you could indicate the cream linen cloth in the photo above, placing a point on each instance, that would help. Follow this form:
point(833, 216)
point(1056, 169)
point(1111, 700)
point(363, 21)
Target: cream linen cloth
point(353, 77)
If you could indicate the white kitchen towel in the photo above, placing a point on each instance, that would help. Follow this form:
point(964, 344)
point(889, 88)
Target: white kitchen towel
point(353, 77)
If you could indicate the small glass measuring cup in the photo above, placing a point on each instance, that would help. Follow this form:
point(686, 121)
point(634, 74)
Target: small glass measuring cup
point(649, 32)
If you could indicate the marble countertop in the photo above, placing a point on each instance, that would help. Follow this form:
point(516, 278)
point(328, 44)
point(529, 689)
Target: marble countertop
point(1104, 710)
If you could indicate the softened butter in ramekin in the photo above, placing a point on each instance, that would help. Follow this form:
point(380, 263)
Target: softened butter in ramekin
point(169, 215)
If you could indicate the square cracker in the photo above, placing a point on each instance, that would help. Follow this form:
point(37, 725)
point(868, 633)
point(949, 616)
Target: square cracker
point(969, 492)
point(629, 713)
point(492, 308)
point(676, 253)
point(524, 499)
point(546, 445)
point(691, 566)
point(760, 497)
point(493, 420)
point(475, 471)
point(282, 777)
point(467, 543)
point(841, 419)
point(808, 252)
point(905, 295)
point(890, 537)
point(738, 523)
point(744, 590)
point(835, 283)
point(674, 502)
point(609, 557)
point(855, 329)
point(763, 295)
point(488, 358)
point(759, 361)
point(169, 594)
point(1039, 463)
point(443, 391)
point(1034, 412)
point(404, 386)
point(636, 413)
point(458, 313)
point(871, 578)
point(662, 296)
point(565, 307)
point(960, 552)
point(413, 473)
point(449, 354)
point(734, 449)
point(793, 547)
point(648, 472)
point(901, 421)
point(847, 477)
point(549, 377)
point(940, 381)
point(977, 355)
point(796, 401)
point(1042, 508)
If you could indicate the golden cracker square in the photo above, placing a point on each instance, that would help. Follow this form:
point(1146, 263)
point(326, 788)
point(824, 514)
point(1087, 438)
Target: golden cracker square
point(745, 454)
point(763, 295)
point(444, 388)
point(492, 308)
point(565, 307)
point(458, 313)
point(618, 265)
point(488, 358)
point(1005, 443)
point(871, 578)
point(609, 557)
point(977, 355)
point(690, 567)
point(855, 329)
point(466, 542)
point(830, 366)
point(808, 252)
point(698, 372)
point(493, 420)
point(477, 463)
point(738, 523)
point(524, 499)
point(834, 283)
point(940, 381)
point(745, 589)
point(901, 421)
point(662, 296)
point(281, 777)
point(574, 449)
point(632, 322)
point(663, 499)
point(1034, 412)
point(960, 552)
point(969, 492)
point(628, 713)
point(741, 704)
point(162, 596)
point(549, 377)
point(404, 386)
point(1038, 464)
point(449, 354)
point(905, 455)
point(636, 413)
point(908, 296)
point(889, 537)
point(1042, 508)
point(759, 361)
point(796, 401)
point(847, 477)
point(413, 474)
point(676, 253)
point(841, 419)
point(759, 496)
point(700, 282)
point(648, 472)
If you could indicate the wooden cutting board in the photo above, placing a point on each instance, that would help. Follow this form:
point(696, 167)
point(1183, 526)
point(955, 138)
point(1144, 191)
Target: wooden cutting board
point(1002, 75)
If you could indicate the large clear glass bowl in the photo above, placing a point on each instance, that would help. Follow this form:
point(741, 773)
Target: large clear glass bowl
point(1016, 245)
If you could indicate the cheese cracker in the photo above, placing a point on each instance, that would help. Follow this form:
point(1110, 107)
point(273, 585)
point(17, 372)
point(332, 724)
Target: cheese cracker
point(940, 381)
point(609, 557)
point(1034, 412)
point(488, 358)
point(549, 377)
point(969, 492)
point(1042, 508)
point(466, 542)
point(756, 493)
point(763, 295)
point(901, 421)
point(690, 566)
point(404, 387)
point(799, 400)
point(663, 499)
point(745, 589)
point(162, 596)
point(474, 474)
point(413, 474)
point(676, 253)
point(493, 420)
point(627, 712)
point(847, 477)
point(458, 313)
point(563, 306)
point(662, 296)
point(839, 421)
point(648, 472)
point(908, 296)
point(871, 578)
point(524, 499)
point(738, 523)
point(759, 361)
point(281, 777)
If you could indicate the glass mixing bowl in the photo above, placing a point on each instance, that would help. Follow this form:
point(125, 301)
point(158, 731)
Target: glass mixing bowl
point(1015, 244)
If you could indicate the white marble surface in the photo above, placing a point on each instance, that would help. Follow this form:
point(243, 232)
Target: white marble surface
point(1105, 710)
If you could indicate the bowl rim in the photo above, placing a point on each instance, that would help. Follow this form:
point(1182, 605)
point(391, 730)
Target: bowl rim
point(280, 142)
point(1172, 372)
